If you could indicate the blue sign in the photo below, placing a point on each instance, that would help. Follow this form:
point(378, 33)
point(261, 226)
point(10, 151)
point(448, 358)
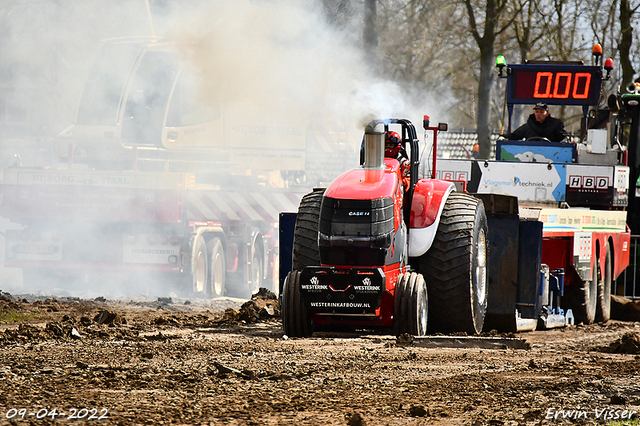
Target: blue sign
point(536, 151)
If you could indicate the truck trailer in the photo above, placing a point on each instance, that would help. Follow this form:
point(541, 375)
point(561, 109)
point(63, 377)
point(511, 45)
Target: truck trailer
point(157, 185)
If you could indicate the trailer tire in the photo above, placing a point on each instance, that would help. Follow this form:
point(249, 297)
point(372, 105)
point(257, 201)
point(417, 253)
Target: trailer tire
point(305, 233)
point(583, 299)
point(256, 274)
point(296, 319)
point(603, 309)
point(411, 305)
point(199, 267)
point(455, 267)
point(217, 268)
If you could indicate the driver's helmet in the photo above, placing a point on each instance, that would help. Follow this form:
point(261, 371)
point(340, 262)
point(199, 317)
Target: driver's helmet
point(392, 144)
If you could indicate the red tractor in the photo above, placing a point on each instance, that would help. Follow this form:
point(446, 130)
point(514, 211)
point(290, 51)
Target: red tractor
point(381, 248)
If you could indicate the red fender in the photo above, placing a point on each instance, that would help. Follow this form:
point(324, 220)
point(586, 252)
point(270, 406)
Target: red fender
point(428, 199)
point(620, 242)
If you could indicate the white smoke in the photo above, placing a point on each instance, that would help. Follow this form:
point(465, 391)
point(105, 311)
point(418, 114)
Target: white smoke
point(277, 59)
point(283, 59)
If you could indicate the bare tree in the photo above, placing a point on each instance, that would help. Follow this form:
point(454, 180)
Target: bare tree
point(613, 30)
point(493, 9)
point(626, 29)
point(425, 49)
point(336, 11)
point(446, 52)
point(370, 33)
point(526, 26)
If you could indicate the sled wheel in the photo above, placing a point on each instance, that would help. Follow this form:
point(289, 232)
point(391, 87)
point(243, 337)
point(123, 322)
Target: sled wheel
point(603, 309)
point(199, 267)
point(217, 268)
point(455, 267)
point(411, 305)
point(296, 320)
point(305, 234)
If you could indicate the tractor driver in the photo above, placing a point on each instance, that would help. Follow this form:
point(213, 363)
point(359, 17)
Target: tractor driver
point(393, 149)
point(541, 125)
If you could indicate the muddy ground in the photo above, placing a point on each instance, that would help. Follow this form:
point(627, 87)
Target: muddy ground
point(177, 361)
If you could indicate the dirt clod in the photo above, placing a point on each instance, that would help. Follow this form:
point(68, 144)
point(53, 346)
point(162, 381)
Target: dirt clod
point(629, 343)
point(355, 419)
point(405, 339)
point(625, 309)
point(618, 400)
point(106, 317)
point(417, 411)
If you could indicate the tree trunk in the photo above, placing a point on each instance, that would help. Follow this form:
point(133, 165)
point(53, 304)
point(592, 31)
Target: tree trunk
point(370, 34)
point(625, 44)
point(486, 47)
point(484, 99)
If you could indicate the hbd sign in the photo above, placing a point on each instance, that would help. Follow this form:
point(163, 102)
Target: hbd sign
point(588, 182)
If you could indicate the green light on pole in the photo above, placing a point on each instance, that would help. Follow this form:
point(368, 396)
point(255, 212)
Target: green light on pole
point(500, 64)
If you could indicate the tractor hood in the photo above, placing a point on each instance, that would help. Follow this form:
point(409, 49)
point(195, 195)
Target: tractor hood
point(363, 184)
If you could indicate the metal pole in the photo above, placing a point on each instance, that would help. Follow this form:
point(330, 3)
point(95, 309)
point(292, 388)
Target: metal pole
point(153, 30)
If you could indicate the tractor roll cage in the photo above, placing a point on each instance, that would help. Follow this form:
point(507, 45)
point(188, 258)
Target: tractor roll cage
point(410, 136)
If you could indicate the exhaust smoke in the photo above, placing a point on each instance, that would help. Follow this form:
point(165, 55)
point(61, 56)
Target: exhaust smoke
point(265, 61)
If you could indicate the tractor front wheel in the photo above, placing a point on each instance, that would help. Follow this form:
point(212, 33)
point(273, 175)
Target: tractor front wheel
point(296, 319)
point(411, 305)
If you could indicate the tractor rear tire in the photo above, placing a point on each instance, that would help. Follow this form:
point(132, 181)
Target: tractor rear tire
point(455, 267)
point(411, 305)
point(296, 319)
point(603, 309)
point(305, 234)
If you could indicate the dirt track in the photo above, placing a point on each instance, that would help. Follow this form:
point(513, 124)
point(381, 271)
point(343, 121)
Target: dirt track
point(190, 362)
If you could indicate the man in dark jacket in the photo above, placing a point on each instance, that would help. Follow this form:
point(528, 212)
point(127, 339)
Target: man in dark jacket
point(540, 124)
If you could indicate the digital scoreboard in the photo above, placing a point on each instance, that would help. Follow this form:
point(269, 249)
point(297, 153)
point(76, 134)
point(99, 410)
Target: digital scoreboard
point(554, 84)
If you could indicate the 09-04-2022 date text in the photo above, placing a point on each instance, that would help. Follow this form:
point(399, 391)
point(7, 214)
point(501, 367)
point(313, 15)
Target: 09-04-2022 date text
point(54, 413)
